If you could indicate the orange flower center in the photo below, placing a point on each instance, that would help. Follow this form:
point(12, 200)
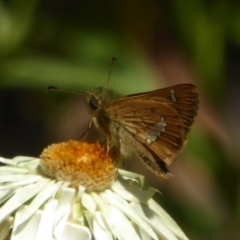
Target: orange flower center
point(80, 163)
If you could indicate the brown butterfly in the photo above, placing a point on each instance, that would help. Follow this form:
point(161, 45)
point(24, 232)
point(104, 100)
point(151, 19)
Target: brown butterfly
point(153, 125)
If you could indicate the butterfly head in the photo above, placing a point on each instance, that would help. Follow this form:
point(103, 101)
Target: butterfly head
point(95, 97)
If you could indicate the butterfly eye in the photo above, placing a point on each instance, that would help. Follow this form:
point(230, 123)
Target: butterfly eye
point(94, 103)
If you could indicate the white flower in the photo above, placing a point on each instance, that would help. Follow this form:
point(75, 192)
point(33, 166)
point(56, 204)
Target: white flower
point(34, 206)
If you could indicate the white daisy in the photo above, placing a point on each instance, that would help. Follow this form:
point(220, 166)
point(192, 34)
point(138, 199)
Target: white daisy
point(74, 192)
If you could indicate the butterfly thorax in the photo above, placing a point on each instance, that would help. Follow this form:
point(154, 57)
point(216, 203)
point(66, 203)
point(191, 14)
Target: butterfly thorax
point(99, 100)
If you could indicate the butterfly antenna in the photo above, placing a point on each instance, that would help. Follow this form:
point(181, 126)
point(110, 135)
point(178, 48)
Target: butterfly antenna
point(52, 88)
point(110, 71)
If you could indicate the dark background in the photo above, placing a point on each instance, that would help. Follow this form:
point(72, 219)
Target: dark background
point(69, 44)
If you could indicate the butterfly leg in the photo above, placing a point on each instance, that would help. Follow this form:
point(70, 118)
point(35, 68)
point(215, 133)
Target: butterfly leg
point(84, 134)
point(114, 153)
point(107, 145)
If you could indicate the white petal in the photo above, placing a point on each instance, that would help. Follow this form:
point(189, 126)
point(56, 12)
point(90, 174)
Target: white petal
point(32, 166)
point(98, 226)
point(29, 163)
point(89, 203)
point(89, 217)
point(112, 194)
point(45, 192)
point(17, 161)
point(63, 210)
point(14, 177)
point(5, 227)
point(21, 196)
point(3, 159)
point(77, 213)
point(132, 176)
point(168, 220)
point(5, 194)
point(102, 205)
point(132, 192)
point(142, 233)
point(74, 231)
point(123, 206)
point(64, 184)
point(99, 230)
point(25, 181)
point(157, 223)
point(80, 192)
point(45, 228)
point(119, 224)
point(8, 161)
point(13, 169)
point(28, 229)
point(24, 158)
point(78, 207)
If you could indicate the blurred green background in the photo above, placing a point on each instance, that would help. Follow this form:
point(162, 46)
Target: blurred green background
point(69, 44)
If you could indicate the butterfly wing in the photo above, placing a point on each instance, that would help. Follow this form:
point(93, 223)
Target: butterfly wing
point(159, 121)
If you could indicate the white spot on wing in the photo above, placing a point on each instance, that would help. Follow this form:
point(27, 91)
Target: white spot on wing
point(149, 141)
point(161, 125)
point(155, 131)
point(173, 96)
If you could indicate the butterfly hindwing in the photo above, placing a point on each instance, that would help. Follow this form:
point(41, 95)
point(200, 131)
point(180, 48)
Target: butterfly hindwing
point(158, 120)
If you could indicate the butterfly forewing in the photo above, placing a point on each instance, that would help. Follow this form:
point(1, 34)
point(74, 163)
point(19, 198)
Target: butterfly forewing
point(158, 121)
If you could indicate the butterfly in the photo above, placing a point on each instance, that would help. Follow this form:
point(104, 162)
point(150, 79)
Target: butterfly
point(152, 125)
